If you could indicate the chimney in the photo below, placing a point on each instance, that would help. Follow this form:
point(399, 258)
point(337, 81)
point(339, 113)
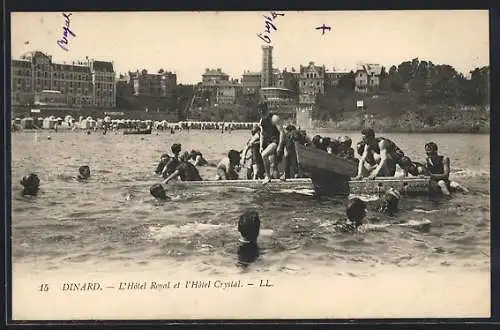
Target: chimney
point(206, 70)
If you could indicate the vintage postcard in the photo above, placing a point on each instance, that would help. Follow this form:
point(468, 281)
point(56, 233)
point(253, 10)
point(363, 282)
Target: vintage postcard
point(250, 165)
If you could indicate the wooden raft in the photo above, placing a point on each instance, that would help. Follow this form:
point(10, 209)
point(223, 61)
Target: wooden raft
point(409, 185)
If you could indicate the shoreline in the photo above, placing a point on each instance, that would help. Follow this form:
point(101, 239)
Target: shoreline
point(324, 292)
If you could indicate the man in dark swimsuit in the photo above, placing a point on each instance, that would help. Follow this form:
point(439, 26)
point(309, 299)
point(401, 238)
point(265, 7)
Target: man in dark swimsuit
point(184, 169)
point(438, 167)
point(271, 140)
point(379, 158)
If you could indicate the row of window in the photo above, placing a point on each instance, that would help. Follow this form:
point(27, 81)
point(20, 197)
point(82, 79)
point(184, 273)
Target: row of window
point(63, 75)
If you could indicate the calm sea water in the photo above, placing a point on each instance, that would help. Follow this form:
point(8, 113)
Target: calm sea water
point(113, 219)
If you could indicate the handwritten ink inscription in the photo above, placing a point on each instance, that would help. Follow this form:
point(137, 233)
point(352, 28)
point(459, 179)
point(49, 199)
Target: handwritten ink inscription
point(268, 25)
point(63, 42)
point(324, 28)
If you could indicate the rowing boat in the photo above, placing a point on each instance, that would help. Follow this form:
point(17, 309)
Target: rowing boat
point(406, 185)
point(313, 160)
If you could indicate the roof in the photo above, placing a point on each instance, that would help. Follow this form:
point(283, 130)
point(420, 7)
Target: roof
point(248, 73)
point(371, 69)
point(21, 63)
point(214, 73)
point(103, 66)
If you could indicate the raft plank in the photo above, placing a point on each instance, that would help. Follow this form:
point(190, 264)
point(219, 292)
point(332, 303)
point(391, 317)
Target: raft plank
point(409, 185)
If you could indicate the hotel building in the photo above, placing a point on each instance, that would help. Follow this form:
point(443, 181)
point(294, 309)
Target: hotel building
point(86, 83)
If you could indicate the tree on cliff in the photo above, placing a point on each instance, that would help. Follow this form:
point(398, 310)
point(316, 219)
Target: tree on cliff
point(182, 95)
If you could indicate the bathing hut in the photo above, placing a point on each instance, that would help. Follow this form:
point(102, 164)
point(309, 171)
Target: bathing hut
point(27, 123)
point(49, 123)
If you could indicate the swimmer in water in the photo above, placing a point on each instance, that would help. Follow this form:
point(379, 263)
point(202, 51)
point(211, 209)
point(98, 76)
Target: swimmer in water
point(31, 184)
point(248, 227)
point(176, 149)
point(84, 173)
point(389, 204)
point(196, 157)
point(228, 167)
point(164, 159)
point(183, 170)
point(356, 212)
point(158, 192)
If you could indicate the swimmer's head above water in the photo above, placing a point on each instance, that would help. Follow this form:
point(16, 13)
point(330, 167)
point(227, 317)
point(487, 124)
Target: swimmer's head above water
point(84, 172)
point(176, 149)
point(356, 211)
point(31, 184)
point(158, 192)
point(390, 202)
point(249, 226)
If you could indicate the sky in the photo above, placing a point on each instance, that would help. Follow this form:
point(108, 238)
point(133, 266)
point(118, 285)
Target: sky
point(188, 42)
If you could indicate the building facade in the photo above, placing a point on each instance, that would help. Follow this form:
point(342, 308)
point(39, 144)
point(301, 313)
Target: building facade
point(22, 82)
point(287, 80)
point(213, 77)
point(161, 84)
point(228, 93)
point(311, 83)
point(221, 89)
point(35, 74)
point(281, 101)
point(367, 78)
point(332, 78)
point(250, 82)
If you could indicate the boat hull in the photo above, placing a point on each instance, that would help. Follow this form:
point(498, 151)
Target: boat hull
point(312, 161)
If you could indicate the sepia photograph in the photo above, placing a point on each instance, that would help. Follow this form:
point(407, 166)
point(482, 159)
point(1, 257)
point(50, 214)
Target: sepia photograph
point(250, 165)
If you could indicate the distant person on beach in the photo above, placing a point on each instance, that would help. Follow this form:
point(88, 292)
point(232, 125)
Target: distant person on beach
point(379, 158)
point(271, 140)
point(228, 167)
point(31, 184)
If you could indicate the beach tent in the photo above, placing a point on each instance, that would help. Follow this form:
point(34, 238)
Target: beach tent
point(27, 122)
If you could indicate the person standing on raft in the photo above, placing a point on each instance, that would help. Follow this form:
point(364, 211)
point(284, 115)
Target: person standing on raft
point(271, 140)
